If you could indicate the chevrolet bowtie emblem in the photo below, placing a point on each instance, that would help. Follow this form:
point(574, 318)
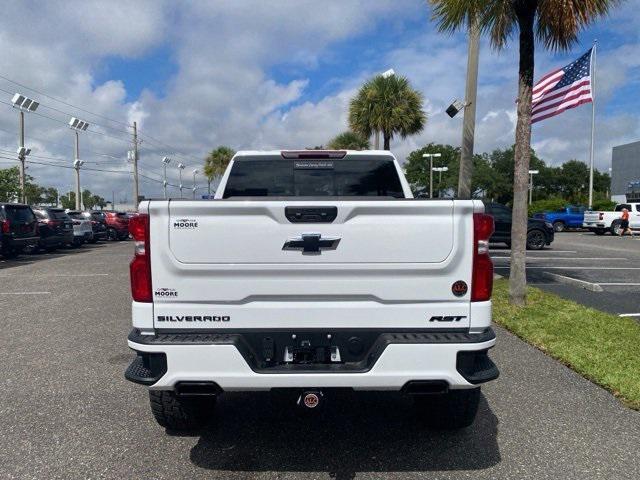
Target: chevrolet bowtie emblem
point(311, 243)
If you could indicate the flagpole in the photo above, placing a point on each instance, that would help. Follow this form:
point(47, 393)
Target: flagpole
point(593, 118)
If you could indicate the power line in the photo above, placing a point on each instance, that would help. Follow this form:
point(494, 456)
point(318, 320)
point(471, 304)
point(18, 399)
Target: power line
point(63, 102)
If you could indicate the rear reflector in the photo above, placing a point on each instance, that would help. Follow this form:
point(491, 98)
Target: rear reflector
point(140, 266)
point(482, 277)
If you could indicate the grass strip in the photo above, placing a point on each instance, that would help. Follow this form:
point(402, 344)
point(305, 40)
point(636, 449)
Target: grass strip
point(602, 347)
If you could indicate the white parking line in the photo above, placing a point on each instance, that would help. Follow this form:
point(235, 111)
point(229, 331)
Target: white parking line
point(57, 275)
point(621, 284)
point(25, 293)
point(577, 268)
point(629, 315)
point(568, 258)
point(543, 251)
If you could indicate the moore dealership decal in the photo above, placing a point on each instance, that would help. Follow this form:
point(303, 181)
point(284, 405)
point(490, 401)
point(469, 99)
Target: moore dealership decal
point(185, 224)
point(165, 292)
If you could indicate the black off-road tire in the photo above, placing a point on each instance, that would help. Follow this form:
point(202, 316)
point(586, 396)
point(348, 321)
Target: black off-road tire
point(616, 229)
point(181, 413)
point(449, 411)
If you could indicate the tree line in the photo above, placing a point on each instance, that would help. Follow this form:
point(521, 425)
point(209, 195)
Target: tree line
point(39, 195)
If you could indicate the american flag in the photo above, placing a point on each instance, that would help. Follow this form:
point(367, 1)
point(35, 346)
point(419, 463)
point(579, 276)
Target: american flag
point(561, 89)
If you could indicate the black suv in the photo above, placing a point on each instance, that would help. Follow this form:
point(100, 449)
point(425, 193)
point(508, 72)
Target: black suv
point(539, 232)
point(18, 228)
point(56, 228)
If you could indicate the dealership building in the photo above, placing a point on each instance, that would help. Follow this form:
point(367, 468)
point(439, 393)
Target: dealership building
point(625, 170)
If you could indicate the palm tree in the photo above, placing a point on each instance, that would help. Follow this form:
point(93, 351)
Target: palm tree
point(387, 104)
point(556, 24)
point(216, 163)
point(349, 141)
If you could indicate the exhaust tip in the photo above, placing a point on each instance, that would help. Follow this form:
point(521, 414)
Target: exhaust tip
point(193, 389)
point(425, 387)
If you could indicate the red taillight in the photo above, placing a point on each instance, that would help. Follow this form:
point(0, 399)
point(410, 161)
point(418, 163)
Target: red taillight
point(6, 226)
point(482, 276)
point(140, 266)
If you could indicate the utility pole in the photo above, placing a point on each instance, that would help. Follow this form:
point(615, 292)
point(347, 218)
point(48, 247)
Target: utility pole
point(469, 120)
point(135, 166)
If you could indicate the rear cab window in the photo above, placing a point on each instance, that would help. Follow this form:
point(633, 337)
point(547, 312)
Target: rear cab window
point(622, 206)
point(262, 176)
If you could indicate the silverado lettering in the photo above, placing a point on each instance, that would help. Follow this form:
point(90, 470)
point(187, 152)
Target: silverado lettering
point(193, 318)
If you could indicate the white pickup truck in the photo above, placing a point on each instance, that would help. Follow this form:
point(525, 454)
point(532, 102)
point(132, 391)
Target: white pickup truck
point(311, 271)
point(602, 222)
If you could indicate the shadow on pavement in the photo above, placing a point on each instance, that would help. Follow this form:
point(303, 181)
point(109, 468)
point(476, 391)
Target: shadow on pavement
point(357, 432)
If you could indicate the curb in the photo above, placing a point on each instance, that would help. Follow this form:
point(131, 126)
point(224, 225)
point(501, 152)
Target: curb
point(592, 287)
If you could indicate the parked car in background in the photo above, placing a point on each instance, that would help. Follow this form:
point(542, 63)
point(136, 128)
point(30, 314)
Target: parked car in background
point(117, 225)
point(18, 228)
point(568, 217)
point(539, 232)
point(55, 227)
point(98, 224)
point(82, 231)
point(602, 222)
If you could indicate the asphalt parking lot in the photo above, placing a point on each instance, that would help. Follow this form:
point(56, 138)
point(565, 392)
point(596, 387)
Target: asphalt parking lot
point(602, 272)
point(67, 412)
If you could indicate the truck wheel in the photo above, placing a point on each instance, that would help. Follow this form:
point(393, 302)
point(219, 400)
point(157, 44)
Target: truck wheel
point(452, 410)
point(559, 226)
point(536, 240)
point(179, 413)
point(616, 228)
point(599, 231)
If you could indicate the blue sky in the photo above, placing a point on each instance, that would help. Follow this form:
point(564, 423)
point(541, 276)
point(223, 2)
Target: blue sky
point(254, 74)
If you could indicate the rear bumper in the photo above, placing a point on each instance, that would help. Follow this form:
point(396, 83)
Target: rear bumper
point(459, 359)
point(19, 242)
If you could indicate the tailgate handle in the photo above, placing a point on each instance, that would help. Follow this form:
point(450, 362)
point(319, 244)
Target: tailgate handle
point(311, 214)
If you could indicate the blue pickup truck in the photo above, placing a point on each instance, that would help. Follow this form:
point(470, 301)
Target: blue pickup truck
point(567, 217)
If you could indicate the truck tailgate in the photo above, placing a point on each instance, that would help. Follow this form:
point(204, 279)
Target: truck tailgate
point(244, 264)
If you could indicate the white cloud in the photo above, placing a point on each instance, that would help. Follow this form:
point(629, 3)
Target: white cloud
point(223, 90)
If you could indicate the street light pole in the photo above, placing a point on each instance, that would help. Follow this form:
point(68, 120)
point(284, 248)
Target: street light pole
point(21, 157)
point(180, 168)
point(77, 126)
point(194, 183)
point(76, 164)
point(531, 174)
point(430, 156)
point(23, 103)
point(165, 162)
